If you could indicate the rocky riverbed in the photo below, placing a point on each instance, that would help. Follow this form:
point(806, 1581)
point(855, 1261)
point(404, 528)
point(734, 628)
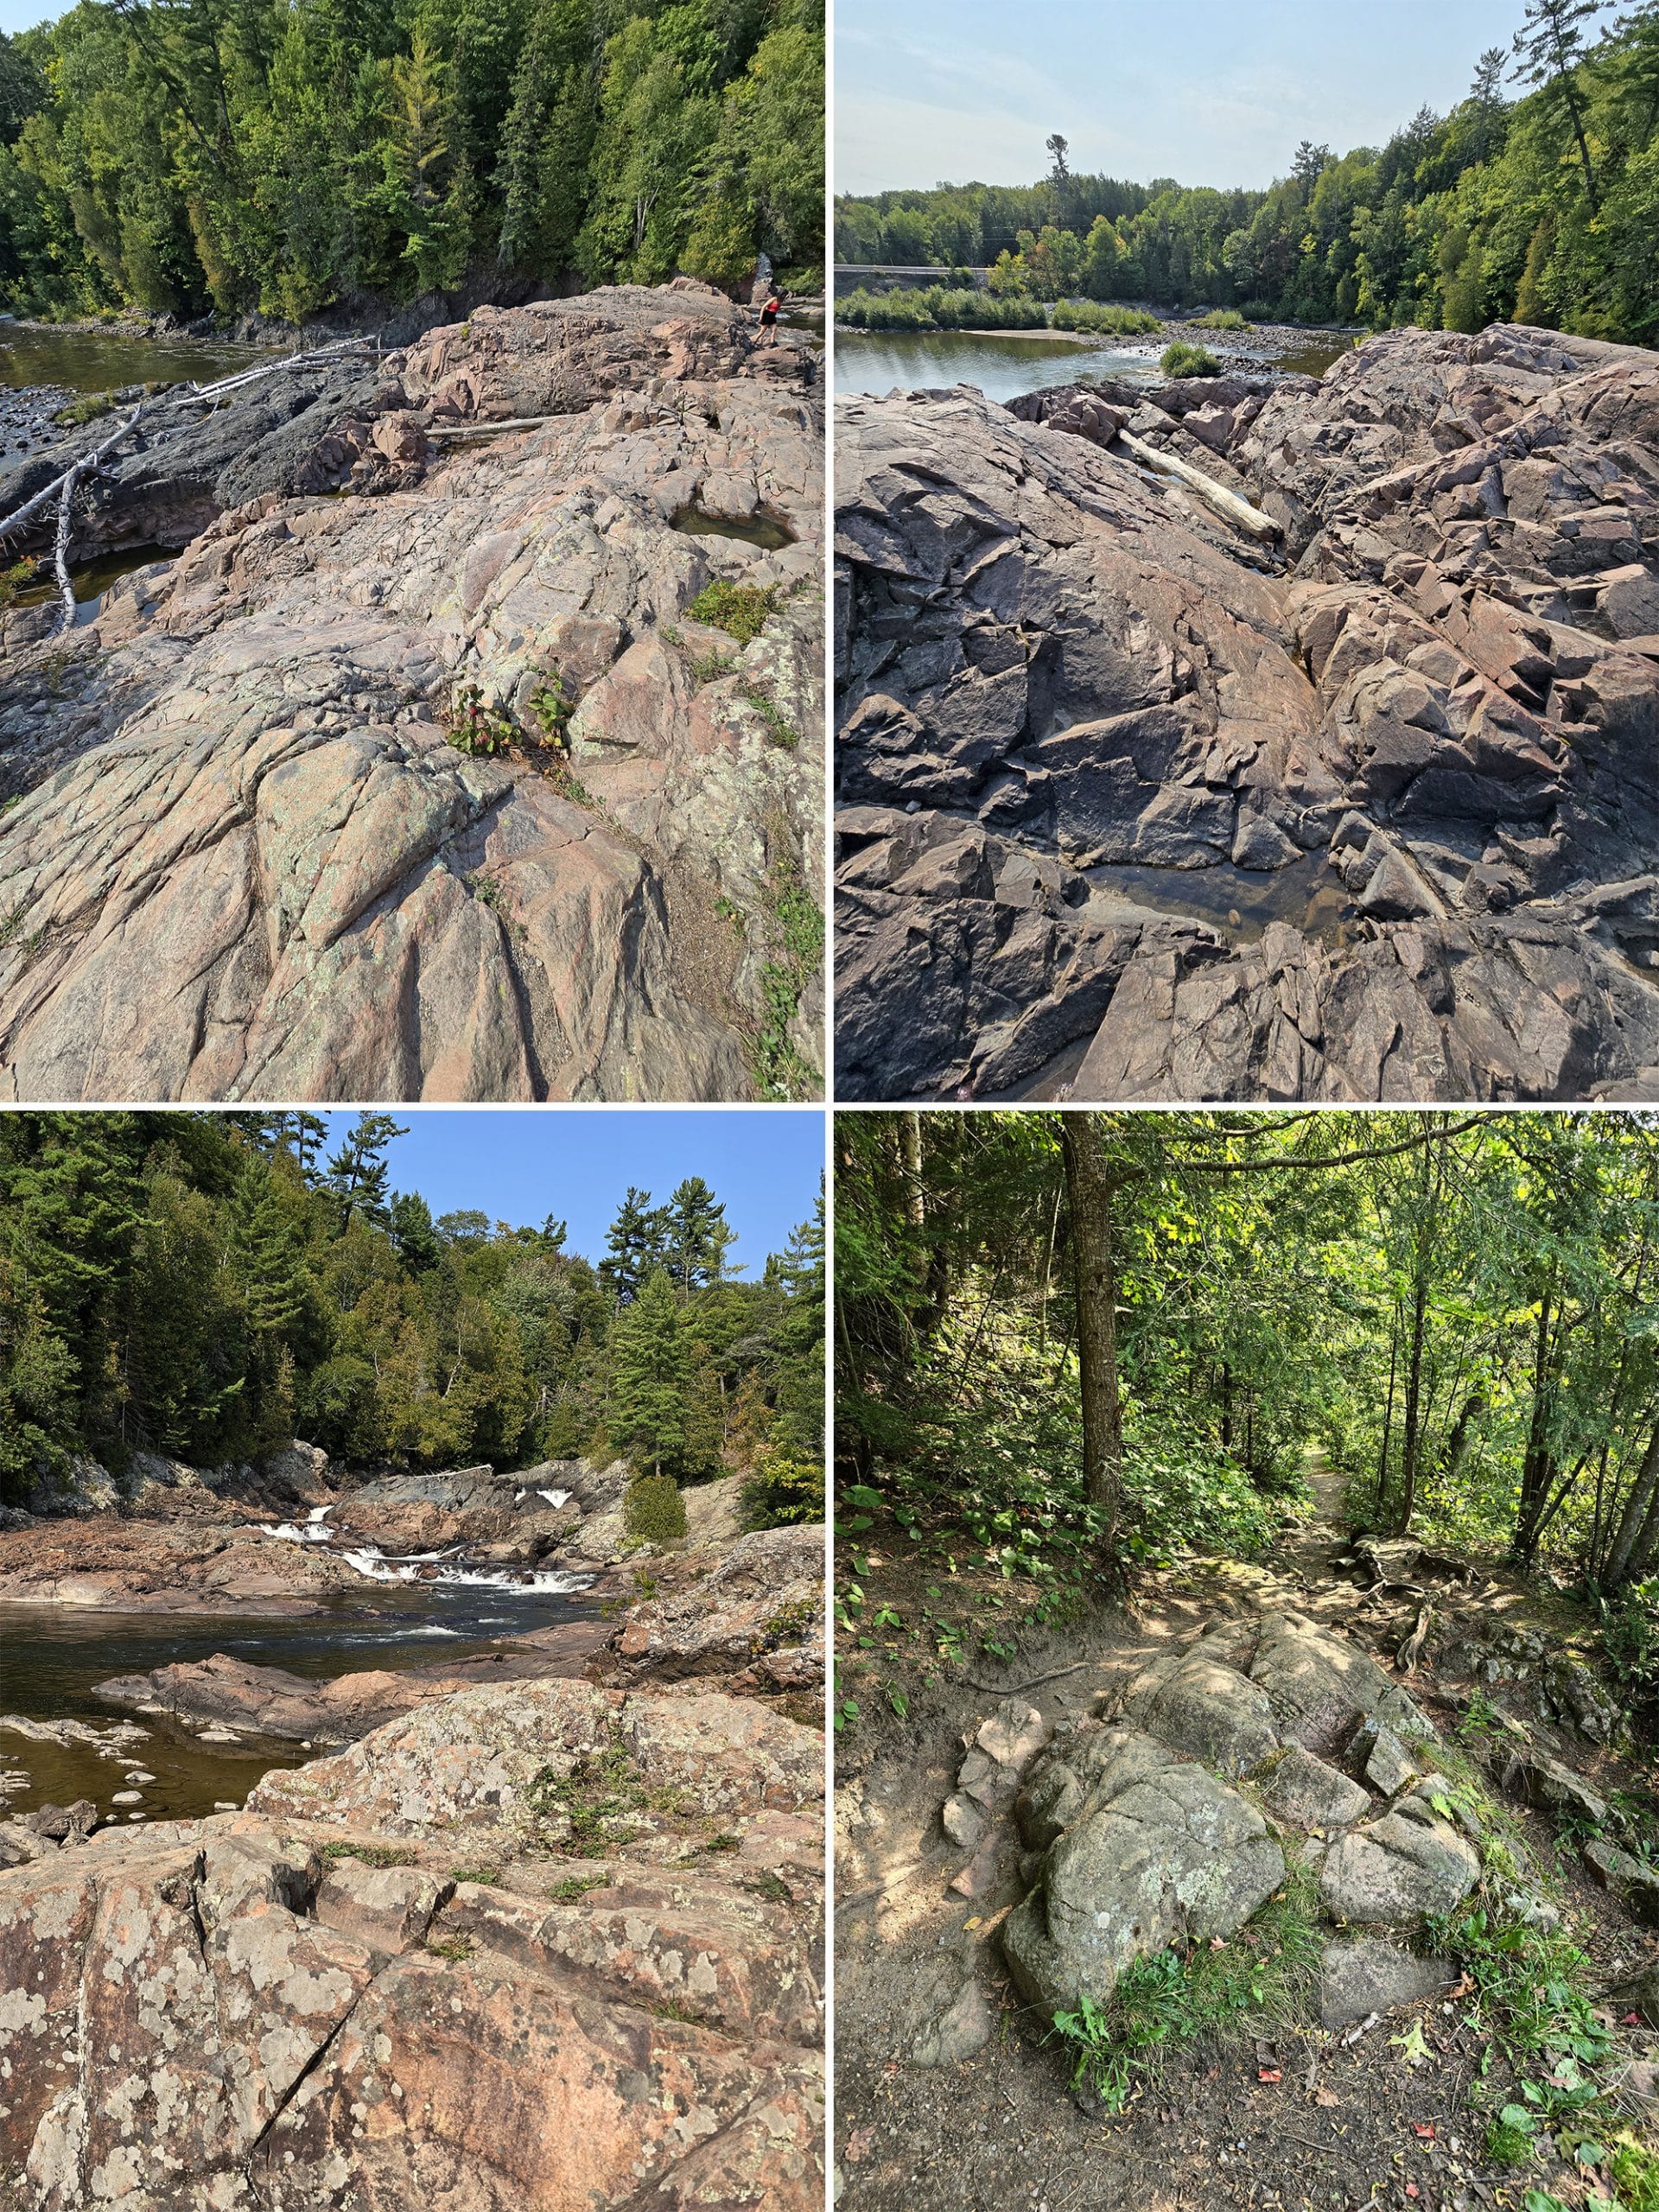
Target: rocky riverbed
point(412, 776)
point(1358, 804)
point(529, 1942)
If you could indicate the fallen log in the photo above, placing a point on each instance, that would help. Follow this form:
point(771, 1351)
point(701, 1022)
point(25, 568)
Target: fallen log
point(1227, 504)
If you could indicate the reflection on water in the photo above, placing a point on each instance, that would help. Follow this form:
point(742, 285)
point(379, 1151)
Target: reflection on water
point(51, 1658)
point(1238, 902)
point(87, 360)
point(1006, 364)
point(90, 580)
point(761, 529)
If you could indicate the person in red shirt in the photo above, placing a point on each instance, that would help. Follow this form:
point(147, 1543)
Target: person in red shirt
point(769, 318)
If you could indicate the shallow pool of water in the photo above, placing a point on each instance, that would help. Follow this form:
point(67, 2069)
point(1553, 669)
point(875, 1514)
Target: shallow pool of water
point(764, 530)
point(90, 580)
point(1006, 364)
point(1240, 902)
point(87, 360)
point(52, 1658)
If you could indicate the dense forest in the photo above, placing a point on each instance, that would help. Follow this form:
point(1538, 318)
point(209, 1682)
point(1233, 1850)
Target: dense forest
point(183, 156)
point(209, 1285)
point(1543, 207)
point(1071, 1340)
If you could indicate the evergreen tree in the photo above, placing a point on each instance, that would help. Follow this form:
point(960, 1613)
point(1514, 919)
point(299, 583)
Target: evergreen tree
point(696, 1236)
point(359, 1172)
point(1549, 51)
point(637, 1245)
point(648, 1396)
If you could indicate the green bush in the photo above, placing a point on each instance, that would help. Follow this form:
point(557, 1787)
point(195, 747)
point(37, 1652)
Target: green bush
point(936, 307)
point(740, 610)
point(783, 1492)
point(654, 1512)
point(1090, 316)
point(1183, 360)
point(1222, 319)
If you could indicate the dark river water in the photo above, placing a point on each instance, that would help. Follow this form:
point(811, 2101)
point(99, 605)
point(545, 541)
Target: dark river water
point(1006, 364)
point(51, 1658)
point(83, 360)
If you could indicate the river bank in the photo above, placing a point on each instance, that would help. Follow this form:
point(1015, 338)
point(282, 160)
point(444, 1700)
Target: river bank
point(596, 1903)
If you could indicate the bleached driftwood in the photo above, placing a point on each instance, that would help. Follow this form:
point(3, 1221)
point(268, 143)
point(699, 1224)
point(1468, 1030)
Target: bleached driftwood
point(62, 489)
point(1227, 504)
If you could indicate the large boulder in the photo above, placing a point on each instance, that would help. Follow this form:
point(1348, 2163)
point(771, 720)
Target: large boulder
point(1141, 1848)
point(756, 1619)
point(1402, 1868)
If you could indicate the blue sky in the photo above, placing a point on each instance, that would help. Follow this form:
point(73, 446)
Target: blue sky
point(1209, 91)
point(577, 1164)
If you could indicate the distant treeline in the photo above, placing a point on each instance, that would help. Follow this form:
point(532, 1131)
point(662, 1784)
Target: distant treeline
point(209, 1285)
point(1543, 209)
point(181, 157)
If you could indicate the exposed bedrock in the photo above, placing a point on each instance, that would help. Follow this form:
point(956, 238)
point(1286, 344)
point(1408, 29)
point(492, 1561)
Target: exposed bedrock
point(248, 857)
point(1389, 796)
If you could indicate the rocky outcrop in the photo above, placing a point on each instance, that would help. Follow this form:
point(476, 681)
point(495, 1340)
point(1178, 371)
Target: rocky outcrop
point(1412, 748)
point(281, 2009)
point(148, 1567)
point(1174, 1817)
point(432, 790)
point(756, 1619)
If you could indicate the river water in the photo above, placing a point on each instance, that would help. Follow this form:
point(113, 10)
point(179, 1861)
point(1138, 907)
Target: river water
point(1006, 364)
point(96, 361)
point(51, 1658)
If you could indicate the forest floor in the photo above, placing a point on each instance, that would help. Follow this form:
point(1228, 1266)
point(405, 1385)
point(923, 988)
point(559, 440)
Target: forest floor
point(1301, 2120)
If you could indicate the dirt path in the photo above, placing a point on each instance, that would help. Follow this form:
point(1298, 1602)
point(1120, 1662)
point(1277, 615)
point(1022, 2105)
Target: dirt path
point(1306, 2123)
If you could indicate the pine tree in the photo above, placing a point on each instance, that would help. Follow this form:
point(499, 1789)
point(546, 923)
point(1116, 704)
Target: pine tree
point(650, 1382)
point(637, 1243)
point(1549, 50)
point(697, 1236)
point(359, 1172)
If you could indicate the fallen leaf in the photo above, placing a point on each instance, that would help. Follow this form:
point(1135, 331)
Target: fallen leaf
point(858, 2144)
point(1425, 2132)
point(974, 1921)
point(1411, 2189)
point(1270, 2074)
point(1326, 2097)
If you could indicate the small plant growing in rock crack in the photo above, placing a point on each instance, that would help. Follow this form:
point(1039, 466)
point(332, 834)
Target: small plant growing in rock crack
point(480, 726)
point(779, 729)
point(488, 893)
point(742, 610)
point(722, 1843)
point(601, 1794)
point(671, 635)
point(796, 931)
point(453, 1948)
point(725, 907)
point(1263, 1978)
point(483, 1877)
point(552, 706)
point(575, 1886)
point(708, 668)
point(371, 1854)
point(767, 1885)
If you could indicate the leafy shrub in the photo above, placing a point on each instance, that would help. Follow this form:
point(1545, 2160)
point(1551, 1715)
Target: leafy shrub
point(1181, 359)
point(1222, 319)
point(934, 307)
point(1631, 1638)
point(1090, 315)
point(653, 1511)
point(18, 578)
point(782, 1492)
point(552, 706)
point(742, 610)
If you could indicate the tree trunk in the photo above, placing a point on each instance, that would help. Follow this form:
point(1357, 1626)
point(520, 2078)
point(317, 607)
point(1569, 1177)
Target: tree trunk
point(1089, 1190)
point(1623, 1551)
point(1538, 1469)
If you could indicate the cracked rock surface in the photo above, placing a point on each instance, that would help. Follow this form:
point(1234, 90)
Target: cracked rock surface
point(550, 1994)
point(1132, 806)
point(247, 861)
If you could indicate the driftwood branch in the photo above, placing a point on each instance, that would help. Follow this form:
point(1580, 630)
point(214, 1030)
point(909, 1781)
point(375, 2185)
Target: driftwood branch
point(1227, 504)
point(62, 489)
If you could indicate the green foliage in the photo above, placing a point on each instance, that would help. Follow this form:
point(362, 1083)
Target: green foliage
point(1541, 210)
point(933, 308)
point(653, 1510)
point(480, 726)
point(19, 577)
point(285, 159)
point(1181, 359)
point(210, 1285)
point(1222, 319)
point(742, 610)
point(1262, 1980)
point(780, 731)
point(552, 707)
point(1090, 316)
point(794, 929)
point(87, 409)
point(783, 1492)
